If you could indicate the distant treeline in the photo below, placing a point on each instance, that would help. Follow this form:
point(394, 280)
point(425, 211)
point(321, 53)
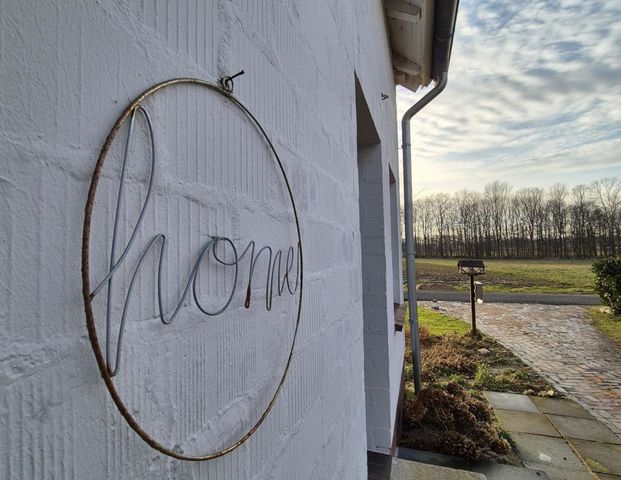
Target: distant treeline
point(579, 222)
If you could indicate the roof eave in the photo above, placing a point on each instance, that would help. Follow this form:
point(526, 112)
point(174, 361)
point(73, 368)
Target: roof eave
point(421, 39)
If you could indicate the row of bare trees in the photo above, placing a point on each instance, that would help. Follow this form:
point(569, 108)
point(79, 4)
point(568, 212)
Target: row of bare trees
point(583, 221)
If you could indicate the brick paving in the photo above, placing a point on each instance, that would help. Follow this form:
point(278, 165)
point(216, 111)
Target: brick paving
point(560, 342)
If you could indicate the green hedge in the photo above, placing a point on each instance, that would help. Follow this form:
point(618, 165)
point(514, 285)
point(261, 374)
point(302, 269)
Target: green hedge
point(608, 282)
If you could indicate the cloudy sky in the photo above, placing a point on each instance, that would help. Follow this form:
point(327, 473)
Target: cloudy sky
point(534, 97)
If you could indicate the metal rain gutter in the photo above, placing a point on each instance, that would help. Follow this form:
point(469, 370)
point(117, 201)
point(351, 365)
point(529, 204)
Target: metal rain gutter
point(444, 28)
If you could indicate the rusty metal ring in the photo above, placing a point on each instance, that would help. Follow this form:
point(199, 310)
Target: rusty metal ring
point(86, 287)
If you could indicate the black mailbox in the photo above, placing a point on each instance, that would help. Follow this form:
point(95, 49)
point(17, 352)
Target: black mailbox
point(473, 268)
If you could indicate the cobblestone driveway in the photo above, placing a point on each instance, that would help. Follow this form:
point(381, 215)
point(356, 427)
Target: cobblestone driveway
point(560, 342)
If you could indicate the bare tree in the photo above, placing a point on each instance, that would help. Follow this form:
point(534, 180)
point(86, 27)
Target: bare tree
point(530, 202)
point(583, 222)
point(497, 197)
point(581, 208)
point(607, 195)
point(557, 206)
point(425, 218)
point(441, 211)
point(469, 219)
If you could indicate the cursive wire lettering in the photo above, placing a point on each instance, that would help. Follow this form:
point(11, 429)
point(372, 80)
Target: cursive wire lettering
point(276, 272)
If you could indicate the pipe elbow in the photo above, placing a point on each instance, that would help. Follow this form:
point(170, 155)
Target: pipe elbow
point(423, 102)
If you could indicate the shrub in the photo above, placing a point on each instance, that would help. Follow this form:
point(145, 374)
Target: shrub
point(450, 420)
point(608, 282)
point(485, 379)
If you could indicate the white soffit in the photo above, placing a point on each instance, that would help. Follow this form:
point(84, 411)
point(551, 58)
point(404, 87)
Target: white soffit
point(410, 24)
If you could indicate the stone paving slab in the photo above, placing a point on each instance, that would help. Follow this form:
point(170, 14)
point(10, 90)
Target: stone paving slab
point(556, 473)
point(546, 451)
point(385, 467)
point(526, 422)
point(583, 429)
point(498, 471)
point(560, 406)
point(601, 457)
point(511, 401)
point(561, 343)
point(406, 470)
point(433, 458)
point(561, 457)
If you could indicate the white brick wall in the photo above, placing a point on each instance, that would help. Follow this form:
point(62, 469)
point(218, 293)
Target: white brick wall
point(67, 69)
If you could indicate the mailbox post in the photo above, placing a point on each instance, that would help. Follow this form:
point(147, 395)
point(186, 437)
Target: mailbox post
point(472, 268)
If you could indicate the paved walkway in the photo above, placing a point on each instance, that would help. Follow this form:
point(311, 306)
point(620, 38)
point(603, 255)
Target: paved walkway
point(559, 342)
point(543, 298)
point(555, 436)
point(385, 467)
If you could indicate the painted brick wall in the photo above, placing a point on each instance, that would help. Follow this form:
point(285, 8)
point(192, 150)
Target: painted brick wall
point(67, 69)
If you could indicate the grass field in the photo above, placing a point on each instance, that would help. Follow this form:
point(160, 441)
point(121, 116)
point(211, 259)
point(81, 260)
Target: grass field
point(520, 276)
point(608, 323)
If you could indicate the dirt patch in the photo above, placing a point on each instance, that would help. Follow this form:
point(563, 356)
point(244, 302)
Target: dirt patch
point(445, 358)
point(476, 363)
point(523, 276)
point(450, 415)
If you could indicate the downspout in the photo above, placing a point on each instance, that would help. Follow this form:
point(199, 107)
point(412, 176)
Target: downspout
point(444, 28)
point(410, 254)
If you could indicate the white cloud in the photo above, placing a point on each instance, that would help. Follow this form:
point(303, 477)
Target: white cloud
point(533, 97)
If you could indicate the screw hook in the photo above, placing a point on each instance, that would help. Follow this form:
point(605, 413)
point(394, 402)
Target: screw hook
point(227, 84)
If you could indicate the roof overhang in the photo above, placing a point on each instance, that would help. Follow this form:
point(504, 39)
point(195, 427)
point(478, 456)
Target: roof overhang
point(421, 37)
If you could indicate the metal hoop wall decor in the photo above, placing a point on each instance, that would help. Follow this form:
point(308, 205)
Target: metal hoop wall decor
point(104, 362)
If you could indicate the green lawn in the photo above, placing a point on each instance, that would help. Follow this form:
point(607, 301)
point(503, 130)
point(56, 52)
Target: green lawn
point(521, 276)
point(441, 324)
point(609, 324)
